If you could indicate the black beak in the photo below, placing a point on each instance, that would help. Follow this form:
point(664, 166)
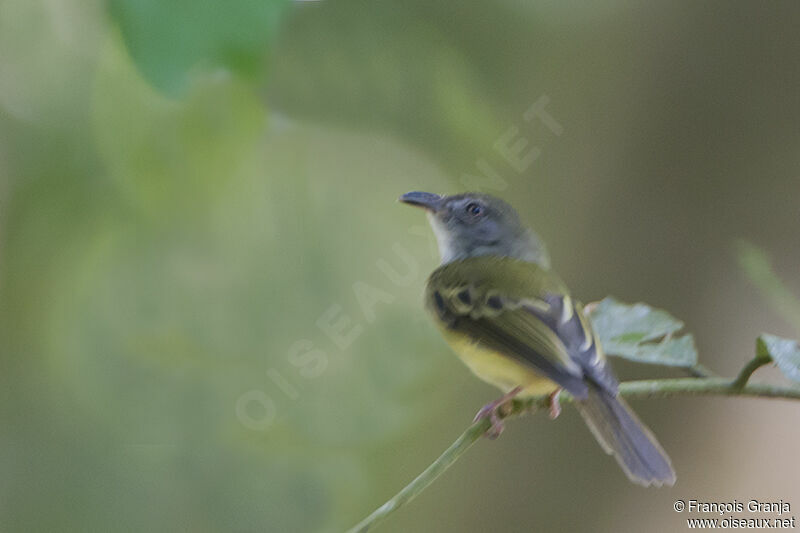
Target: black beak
point(425, 200)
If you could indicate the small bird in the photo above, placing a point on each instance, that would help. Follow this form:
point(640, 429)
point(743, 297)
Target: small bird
point(514, 324)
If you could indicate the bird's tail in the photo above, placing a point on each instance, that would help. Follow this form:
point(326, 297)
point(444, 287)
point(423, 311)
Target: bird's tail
point(620, 433)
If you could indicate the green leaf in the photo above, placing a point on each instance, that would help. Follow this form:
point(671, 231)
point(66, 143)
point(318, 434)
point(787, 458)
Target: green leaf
point(642, 334)
point(171, 40)
point(785, 353)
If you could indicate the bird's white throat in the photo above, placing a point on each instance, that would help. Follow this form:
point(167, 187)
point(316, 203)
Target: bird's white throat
point(446, 250)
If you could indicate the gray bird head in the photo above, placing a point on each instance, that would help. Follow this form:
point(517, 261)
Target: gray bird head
point(472, 224)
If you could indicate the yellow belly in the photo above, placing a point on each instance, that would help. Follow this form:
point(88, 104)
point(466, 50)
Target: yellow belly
point(498, 369)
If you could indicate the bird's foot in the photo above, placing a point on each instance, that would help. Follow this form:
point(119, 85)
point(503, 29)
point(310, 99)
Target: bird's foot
point(555, 406)
point(495, 412)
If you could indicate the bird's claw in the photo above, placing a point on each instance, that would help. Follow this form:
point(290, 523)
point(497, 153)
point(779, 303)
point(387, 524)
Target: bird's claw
point(555, 406)
point(495, 412)
point(490, 411)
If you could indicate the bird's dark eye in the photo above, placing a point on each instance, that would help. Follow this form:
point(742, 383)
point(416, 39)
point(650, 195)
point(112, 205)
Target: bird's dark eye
point(474, 209)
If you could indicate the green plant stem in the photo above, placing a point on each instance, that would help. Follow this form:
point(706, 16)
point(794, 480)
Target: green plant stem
point(661, 388)
point(757, 265)
point(428, 476)
point(755, 363)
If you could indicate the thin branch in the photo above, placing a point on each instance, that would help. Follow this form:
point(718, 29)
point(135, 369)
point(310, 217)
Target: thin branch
point(421, 482)
point(661, 388)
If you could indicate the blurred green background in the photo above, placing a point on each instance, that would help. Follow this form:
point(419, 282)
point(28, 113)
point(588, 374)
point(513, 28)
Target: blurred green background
point(193, 195)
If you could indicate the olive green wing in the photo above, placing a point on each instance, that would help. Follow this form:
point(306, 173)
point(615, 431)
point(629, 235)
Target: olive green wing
point(518, 309)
